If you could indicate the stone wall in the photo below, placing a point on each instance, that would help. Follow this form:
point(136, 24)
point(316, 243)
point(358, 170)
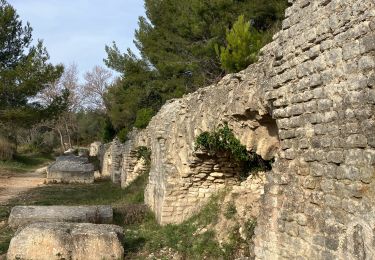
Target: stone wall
point(319, 200)
point(181, 180)
point(133, 166)
point(111, 161)
point(313, 88)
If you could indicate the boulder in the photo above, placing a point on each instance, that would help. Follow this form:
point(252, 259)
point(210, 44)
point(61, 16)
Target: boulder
point(70, 169)
point(49, 241)
point(24, 215)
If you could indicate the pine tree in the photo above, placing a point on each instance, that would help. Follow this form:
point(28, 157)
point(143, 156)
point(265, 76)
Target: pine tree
point(24, 72)
point(177, 43)
point(242, 47)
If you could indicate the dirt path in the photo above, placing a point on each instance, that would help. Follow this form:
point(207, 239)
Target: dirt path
point(12, 185)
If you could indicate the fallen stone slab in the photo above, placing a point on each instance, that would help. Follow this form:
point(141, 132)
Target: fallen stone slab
point(70, 169)
point(48, 241)
point(24, 215)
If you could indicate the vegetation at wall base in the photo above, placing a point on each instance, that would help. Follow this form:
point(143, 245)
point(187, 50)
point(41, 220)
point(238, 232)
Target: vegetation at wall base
point(222, 140)
point(191, 239)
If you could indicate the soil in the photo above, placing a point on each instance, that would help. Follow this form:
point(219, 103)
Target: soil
point(13, 185)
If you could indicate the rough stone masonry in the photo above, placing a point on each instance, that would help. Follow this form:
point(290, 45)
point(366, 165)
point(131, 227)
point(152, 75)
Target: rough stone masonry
point(319, 200)
point(310, 102)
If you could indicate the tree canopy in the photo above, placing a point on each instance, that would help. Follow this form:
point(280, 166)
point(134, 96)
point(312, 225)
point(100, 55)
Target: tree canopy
point(176, 42)
point(24, 72)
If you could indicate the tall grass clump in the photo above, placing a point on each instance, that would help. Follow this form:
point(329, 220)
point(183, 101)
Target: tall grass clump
point(7, 149)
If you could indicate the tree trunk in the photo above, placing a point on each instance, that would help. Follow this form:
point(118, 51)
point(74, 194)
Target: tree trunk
point(61, 140)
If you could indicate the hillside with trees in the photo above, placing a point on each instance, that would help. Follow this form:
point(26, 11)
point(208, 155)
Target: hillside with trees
point(185, 45)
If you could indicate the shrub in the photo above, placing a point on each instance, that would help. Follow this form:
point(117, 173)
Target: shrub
point(230, 210)
point(249, 228)
point(131, 214)
point(7, 149)
point(123, 135)
point(108, 131)
point(243, 44)
point(145, 153)
point(144, 116)
point(223, 140)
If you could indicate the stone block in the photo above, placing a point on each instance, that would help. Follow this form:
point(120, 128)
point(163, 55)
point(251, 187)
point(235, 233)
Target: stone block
point(366, 63)
point(24, 215)
point(356, 141)
point(335, 156)
point(348, 172)
point(45, 241)
point(332, 201)
point(367, 43)
point(70, 169)
point(310, 183)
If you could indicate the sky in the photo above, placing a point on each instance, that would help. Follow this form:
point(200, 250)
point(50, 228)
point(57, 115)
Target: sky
point(76, 31)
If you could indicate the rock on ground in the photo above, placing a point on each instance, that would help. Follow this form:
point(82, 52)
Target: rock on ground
point(24, 215)
point(49, 241)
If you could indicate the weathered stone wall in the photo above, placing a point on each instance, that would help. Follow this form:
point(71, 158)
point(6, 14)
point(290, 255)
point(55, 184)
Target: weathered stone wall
point(180, 179)
point(133, 166)
point(313, 88)
point(95, 148)
point(105, 159)
point(319, 200)
point(111, 161)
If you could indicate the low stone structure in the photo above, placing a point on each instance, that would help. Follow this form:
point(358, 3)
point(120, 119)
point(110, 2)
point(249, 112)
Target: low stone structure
point(24, 215)
point(112, 161)
point(70, 169)
point(48, 241)
point(95, 148)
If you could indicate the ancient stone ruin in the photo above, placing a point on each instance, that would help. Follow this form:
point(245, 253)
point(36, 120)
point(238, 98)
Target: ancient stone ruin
point(310, 103)
point(21, 216)
point(67, 241)
point(70, 169)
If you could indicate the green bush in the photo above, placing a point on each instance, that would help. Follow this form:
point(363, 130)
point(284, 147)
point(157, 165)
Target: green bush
point(222, 140)
point(145, 153)
point(108, 131)
point(123, 135)
point(249, 228)
point(7, 149)
point(243, 44)
point(144, 116)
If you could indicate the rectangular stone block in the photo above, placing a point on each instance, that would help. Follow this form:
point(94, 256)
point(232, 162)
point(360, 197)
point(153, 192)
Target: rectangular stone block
point(70, 169)
point(24, 215)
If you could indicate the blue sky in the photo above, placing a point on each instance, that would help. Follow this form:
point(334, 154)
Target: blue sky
point(77, 30)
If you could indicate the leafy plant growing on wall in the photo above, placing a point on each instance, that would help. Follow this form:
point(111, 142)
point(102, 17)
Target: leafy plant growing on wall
point(222, 140)
point(145, 153)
